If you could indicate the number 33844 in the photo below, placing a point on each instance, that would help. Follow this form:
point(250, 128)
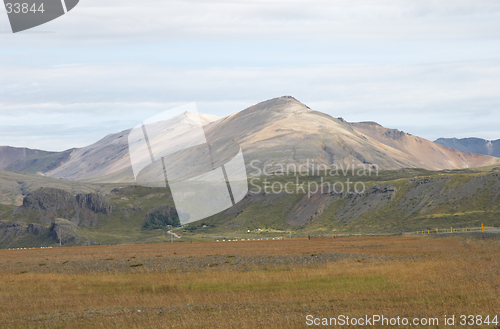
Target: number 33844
point(24, 8)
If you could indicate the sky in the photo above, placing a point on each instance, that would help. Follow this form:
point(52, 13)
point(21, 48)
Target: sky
point(429, 68)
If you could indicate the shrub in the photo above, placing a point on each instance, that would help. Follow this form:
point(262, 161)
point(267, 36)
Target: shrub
point(161, 217)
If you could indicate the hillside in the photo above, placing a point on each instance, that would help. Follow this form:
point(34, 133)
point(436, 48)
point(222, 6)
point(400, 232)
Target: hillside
point(428, 200)
point(393, 202)
point(472, 145)
point(425, 153)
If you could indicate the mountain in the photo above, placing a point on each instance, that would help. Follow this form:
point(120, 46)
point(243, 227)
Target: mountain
point(273, 134)
point(283, 131)
point(472, 145)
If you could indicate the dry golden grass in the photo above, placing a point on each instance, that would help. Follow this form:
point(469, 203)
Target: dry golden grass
point(391, 276)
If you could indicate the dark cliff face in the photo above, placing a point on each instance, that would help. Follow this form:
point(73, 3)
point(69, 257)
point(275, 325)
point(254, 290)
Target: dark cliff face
point(17, 230)
point(55, 203)
point(94, 202)
point(49, 199)
point(64, 231)
point(36, 229)
point(60, 230)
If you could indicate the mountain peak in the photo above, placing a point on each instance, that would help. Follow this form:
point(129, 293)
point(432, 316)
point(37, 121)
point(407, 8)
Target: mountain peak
point(370, 123)
point(288, 98)
point(284, 104)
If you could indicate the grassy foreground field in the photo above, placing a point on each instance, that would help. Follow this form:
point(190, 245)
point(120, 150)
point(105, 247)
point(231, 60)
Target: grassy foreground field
point(250, 284)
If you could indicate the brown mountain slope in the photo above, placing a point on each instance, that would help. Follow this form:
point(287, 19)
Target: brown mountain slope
point(284, 131)
point(108, 155)
point(427, 154)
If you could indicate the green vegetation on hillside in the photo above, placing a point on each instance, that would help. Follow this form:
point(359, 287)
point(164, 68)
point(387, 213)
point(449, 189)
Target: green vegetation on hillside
point(161, 217)
point(394, 202)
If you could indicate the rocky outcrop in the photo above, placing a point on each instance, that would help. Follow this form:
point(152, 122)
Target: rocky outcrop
point(17, 229)
point(65, 231)
point(51, 203)
point(22, 235)
point(48, 199)
point(36, 229)
point(395, 133)
point(95, 202)
point(11, 230)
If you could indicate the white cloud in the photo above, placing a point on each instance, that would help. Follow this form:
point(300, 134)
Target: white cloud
point(159, 20)
point(409, 97)
point(428, 67)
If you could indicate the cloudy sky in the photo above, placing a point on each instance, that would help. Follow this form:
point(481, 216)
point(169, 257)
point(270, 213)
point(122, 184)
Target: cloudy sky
point(430, 68)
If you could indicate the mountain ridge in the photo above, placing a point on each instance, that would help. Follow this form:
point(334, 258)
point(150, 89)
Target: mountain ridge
point(279, 131)
point(472, 145)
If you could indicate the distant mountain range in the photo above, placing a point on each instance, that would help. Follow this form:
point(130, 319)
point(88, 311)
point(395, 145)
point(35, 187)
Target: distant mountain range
point(472, 145)
point(273, 133)
point(31, 161)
